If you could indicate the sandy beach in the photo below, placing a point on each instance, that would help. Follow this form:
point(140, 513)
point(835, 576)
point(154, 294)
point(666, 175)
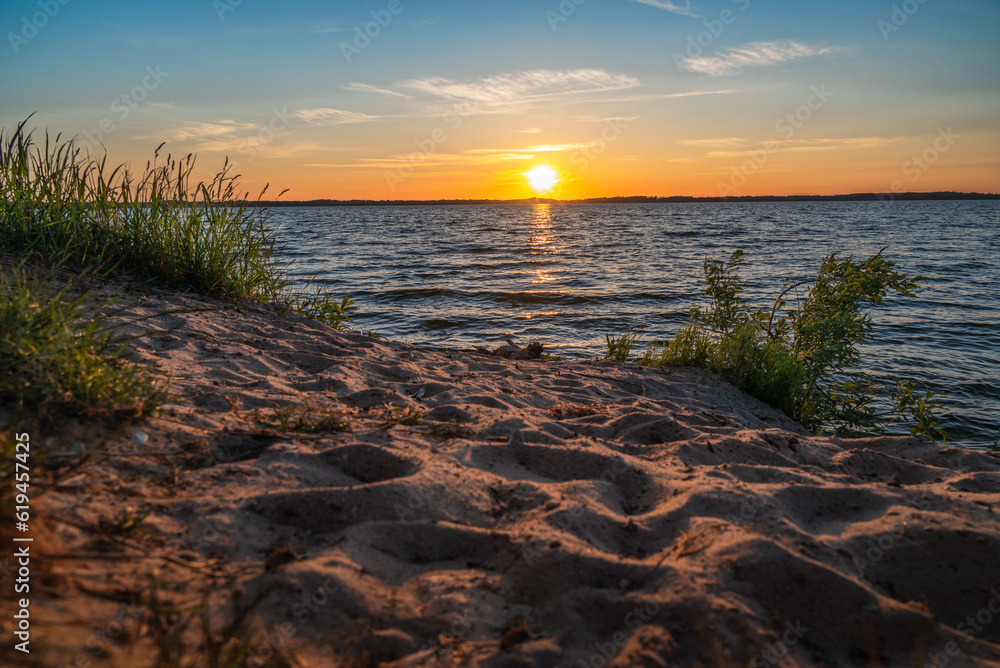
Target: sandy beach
point(371, 503)
point(392, 334)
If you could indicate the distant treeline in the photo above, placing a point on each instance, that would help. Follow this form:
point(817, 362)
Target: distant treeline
point(856, 197)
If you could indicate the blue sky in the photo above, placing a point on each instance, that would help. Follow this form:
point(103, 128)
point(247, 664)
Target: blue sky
point(285, 90)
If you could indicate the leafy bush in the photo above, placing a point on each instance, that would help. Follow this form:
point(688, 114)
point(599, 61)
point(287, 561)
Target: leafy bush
point(803, 360)
point(906, 402)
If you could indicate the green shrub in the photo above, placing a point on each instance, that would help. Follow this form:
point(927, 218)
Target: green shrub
point(803, 360)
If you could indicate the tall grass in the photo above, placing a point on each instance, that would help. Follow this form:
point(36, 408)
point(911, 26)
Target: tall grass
point(158, 223)
point(62, 206)
point(55, 353)
point(58, 360)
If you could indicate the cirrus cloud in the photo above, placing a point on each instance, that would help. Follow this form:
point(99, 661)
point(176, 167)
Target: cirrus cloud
point(755, 54)
point(671, 7)
point(367, 88)
point(520, 86)
point(332, 116)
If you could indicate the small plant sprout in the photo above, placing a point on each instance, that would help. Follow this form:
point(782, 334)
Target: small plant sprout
point(620, 347)
point(304, 419)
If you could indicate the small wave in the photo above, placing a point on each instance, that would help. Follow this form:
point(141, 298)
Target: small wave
point(443, 323)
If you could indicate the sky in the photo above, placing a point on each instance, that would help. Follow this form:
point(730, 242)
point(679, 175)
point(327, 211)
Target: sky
point(429, 99)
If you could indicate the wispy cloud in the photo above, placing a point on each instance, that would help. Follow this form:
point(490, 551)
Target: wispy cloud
point(715, 141)
point(735, 147)
point(670, 96)
point(207, 130)
point(443, 159)
point(544, 148)
point(331, 116)
point(755, 54)
point(605, 119)
point(548, 148)
point(671, 7)
point(698, 93)
point(211, 136)
point(367, 88)
point(503, 92)
point(519, 87)
point(530, 131)
point(475, 156)
point(833, 143)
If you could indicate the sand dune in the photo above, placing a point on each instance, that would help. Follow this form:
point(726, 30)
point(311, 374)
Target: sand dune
point(476, 510)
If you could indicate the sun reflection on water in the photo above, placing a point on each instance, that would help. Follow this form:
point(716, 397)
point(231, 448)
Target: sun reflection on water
point(543, 241)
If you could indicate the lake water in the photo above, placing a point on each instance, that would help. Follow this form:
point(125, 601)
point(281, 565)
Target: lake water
point(567, 274)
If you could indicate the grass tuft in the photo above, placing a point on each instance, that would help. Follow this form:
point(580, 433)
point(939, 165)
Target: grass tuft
point(620, 347)
point(448, 430)
point(338, 314)
point(158, 223)
point(58, 357)
point(304, 420)
point(64, 207)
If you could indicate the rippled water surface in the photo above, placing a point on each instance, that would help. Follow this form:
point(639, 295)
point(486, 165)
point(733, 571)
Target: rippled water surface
point(568, 274)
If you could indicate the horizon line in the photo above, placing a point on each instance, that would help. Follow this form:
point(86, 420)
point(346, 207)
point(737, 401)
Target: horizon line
point(647, 199)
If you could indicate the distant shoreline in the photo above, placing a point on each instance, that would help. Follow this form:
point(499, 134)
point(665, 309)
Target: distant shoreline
point(676, 199)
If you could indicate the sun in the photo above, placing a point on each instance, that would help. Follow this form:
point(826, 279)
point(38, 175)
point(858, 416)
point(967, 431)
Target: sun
point(542, 179)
